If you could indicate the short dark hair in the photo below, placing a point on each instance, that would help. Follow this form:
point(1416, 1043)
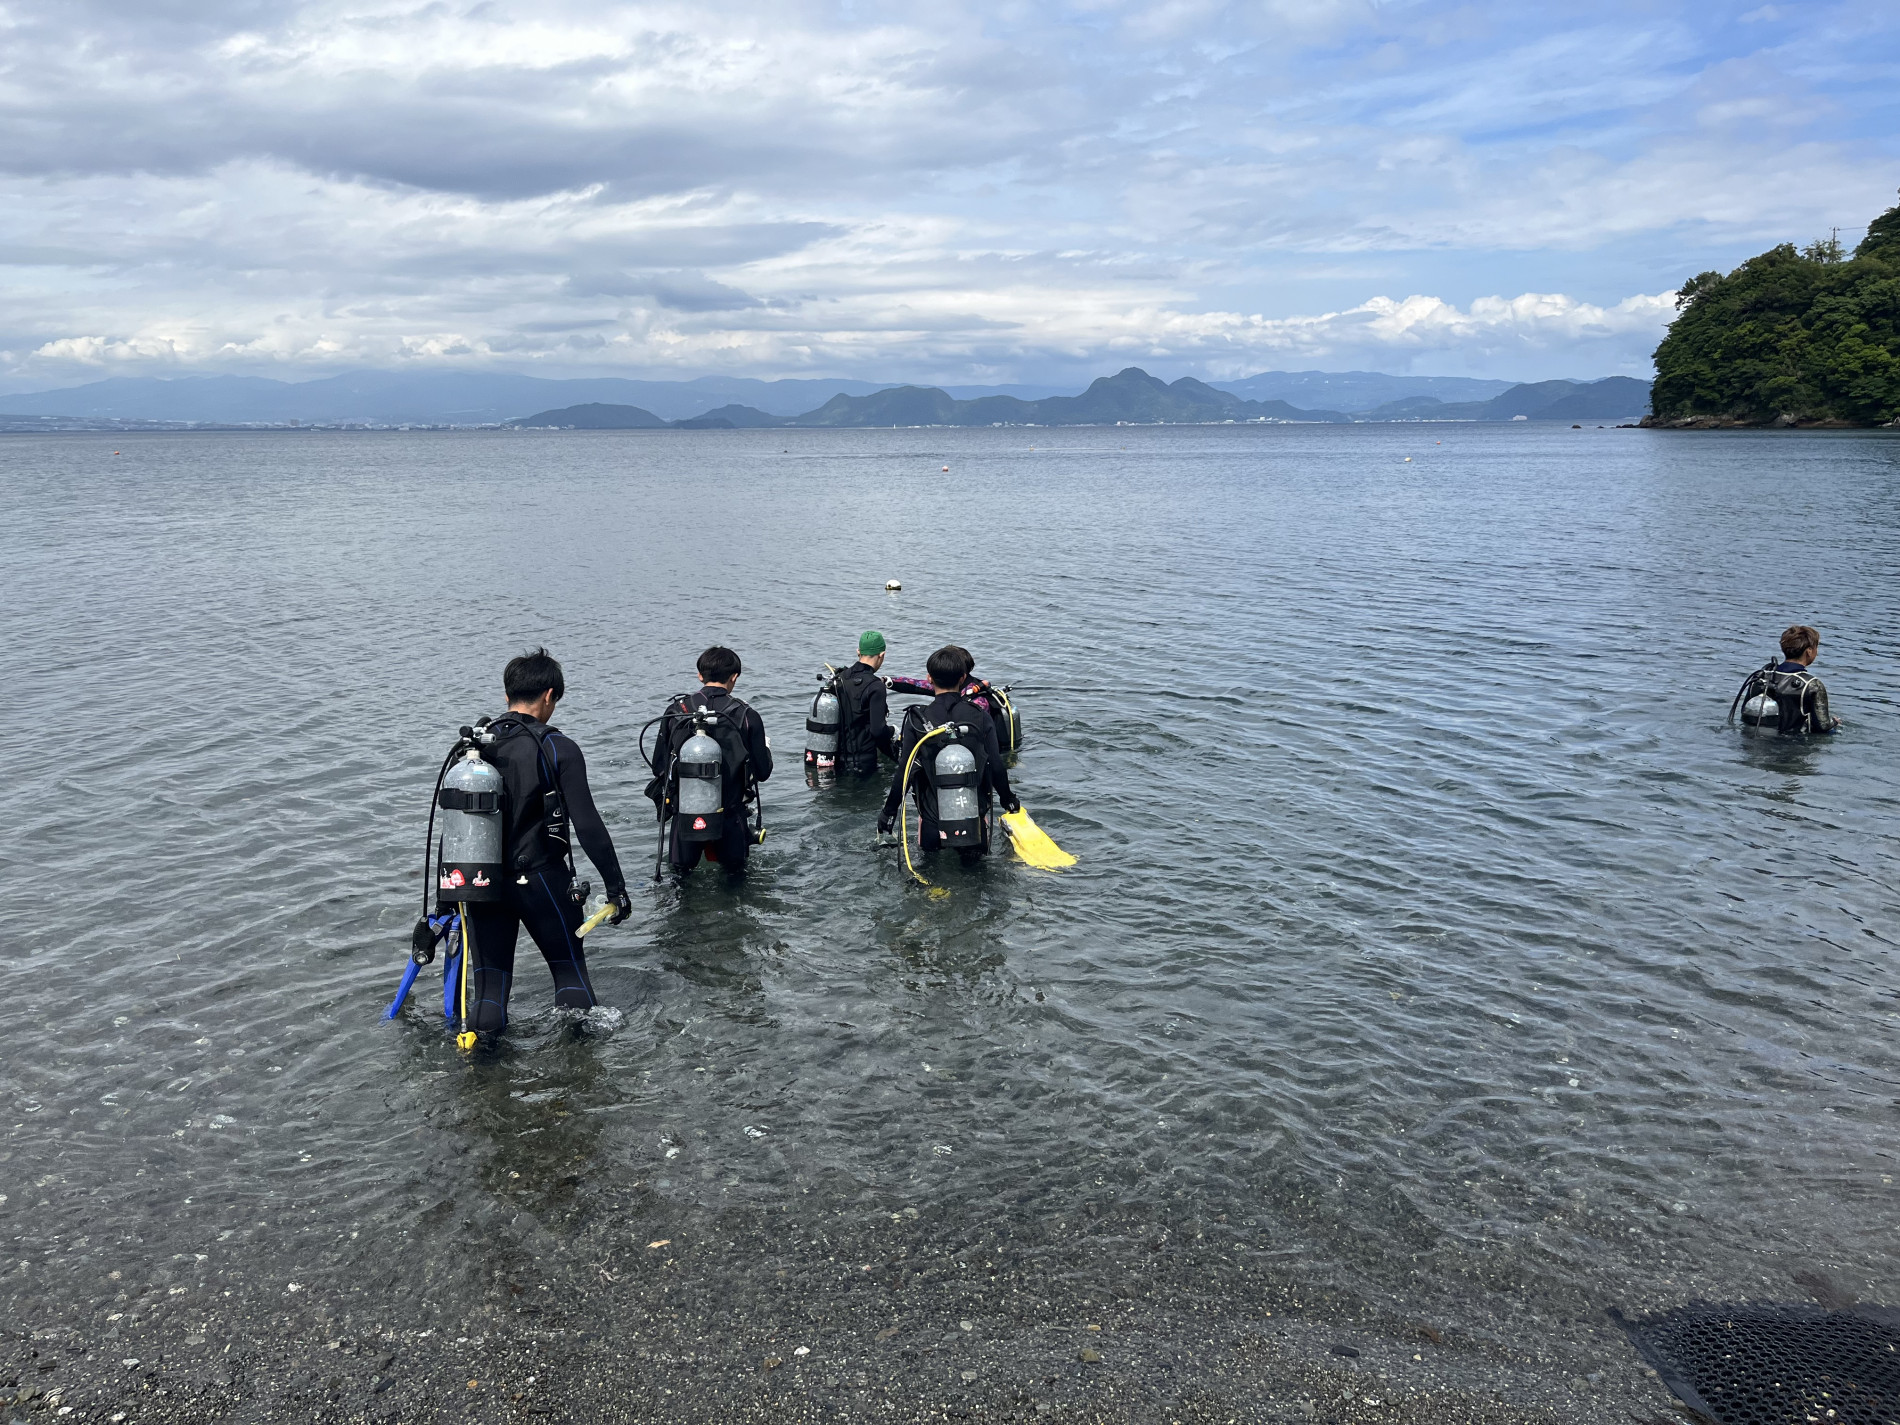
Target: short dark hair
point(718, 664)
point(947, 667)
point(969, 658)
point(532, 674)
point(1799, 640)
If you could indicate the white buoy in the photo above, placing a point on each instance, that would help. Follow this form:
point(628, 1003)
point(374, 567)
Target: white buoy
point(891, 586)
point(946, 469)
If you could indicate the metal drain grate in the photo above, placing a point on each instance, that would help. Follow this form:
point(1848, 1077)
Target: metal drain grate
point(1777, 1365)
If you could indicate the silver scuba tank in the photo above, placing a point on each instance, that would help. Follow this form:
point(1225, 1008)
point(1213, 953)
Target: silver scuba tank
point(469, 855)
point(701, 805)
point(821, 730)
point(1009, 723)
point(959, 819)
point(1761, 711)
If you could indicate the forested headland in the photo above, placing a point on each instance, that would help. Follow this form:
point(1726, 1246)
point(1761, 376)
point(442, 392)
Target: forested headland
point(1793, 337)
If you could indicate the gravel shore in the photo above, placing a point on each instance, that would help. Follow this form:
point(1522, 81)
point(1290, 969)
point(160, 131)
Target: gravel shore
point(888, 1317)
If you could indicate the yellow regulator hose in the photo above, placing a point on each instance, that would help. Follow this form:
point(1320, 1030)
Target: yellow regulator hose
point(903, 804)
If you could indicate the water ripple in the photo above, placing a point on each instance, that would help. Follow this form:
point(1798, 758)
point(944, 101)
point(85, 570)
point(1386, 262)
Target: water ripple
point(1427, 916)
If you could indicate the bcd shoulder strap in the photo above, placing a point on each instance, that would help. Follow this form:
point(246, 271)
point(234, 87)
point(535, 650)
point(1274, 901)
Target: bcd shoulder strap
point(547, 760)
point(850, 697)
point(547, 767)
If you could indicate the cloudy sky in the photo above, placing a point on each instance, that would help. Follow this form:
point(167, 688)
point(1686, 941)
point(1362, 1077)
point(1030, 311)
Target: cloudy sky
point(970, 190)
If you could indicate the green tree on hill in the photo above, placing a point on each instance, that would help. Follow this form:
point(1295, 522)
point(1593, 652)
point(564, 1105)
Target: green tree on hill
point(1812, 334)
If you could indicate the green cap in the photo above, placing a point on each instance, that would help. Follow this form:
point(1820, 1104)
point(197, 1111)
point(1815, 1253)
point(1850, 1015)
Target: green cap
point(870, 643)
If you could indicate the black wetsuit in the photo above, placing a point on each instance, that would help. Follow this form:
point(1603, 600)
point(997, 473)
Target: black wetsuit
point(540, 880)
point(864, 721)
point(1802, 698)
point(992, 775)
point(742, 735)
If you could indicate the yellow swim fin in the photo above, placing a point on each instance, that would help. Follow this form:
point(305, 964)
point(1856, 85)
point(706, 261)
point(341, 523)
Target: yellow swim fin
point(1032, 843)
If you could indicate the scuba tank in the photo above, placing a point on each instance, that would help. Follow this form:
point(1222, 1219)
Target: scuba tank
point(822, 727)
point(1009, 722)
point(959, 815)
point(469, 864)
point(701, 806)
point(471, 797)
point(1757, 703)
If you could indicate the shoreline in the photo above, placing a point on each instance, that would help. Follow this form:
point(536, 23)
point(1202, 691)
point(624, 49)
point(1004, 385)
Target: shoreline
point(21, 428)
point(1124, 1320)
point(1785, 421)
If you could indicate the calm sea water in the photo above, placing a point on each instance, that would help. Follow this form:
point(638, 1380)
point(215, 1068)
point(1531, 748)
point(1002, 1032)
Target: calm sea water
point(1429, 925)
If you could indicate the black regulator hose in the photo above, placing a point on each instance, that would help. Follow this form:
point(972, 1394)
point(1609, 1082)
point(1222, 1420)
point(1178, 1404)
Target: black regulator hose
point(659, 853)
point(1754, 679)
point(641, 740)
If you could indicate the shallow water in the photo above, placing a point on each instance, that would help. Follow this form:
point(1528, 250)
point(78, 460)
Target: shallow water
point(1430, 928)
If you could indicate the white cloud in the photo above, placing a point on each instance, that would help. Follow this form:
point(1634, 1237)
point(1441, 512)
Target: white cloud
point(895, 297)
point(1002, 188)
point(111, 351)
point(1532, 324)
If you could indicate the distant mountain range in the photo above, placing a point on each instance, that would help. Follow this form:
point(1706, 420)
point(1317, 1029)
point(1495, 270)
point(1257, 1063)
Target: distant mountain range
point(390, 398)
point(596, 416)
point(458, 398)
point(1130, 397)
point(1613, 398)
point(1358, 390)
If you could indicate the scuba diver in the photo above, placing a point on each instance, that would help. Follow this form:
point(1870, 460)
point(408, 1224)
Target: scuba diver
point(864, 712)
point(1786, 695)
point(850, 719)
point(709, 757)
point(950, 745)
point(545, 805)
point(993, 700)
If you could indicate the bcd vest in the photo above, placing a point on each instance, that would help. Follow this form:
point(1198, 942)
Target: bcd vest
point(1795, 694)
point(535, 828)
point(954, 789)
point(856, 744)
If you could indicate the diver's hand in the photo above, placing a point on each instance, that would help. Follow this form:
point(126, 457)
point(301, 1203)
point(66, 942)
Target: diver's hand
point(623, 907)
point(1012, 805)
point(885, 822)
